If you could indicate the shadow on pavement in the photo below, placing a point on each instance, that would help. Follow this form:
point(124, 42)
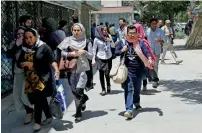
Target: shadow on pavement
point(183, 48)
point(114, 92)
point(150, 92)
point(92, 114)
point(135, 113)
point(13, 123)
point(189, 90)
point(148, 110)
point(62, 125)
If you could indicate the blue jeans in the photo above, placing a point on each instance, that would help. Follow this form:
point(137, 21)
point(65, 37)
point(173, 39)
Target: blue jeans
point(132, 88)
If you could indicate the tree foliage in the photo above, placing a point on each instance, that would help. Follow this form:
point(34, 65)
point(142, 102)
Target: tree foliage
point(158, 9)
point(164, 9)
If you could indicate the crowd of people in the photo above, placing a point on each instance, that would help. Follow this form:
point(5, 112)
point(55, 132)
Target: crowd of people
point(39, 59)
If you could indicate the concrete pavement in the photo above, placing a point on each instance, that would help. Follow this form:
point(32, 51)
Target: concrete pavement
point(176, 106)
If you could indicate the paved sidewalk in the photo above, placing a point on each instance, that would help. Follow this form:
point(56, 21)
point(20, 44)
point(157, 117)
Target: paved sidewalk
point(175, 107)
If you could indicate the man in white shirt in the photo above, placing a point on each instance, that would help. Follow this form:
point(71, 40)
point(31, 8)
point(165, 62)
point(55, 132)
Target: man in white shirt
point(122, 30)
point(169, 43)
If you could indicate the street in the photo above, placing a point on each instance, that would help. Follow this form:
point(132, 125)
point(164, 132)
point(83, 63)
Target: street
point(174, 107)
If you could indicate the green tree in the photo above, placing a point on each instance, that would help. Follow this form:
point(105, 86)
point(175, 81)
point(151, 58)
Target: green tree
point(158, 9)
point(164, 9)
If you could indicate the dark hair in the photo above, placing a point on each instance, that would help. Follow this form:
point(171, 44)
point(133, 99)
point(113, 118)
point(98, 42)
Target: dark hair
point(122, 19)
point(131, 27)
point(101, 23)
point(75, 18)
point(106, 23)
point(24, 18)
point(62, 23)
point(153, 19)
point(19, 28)
point(94, 24)
point(33, 31)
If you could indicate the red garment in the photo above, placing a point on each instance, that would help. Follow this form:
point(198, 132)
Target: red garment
point(149, 49)
point(140, 30)
point(140, 53)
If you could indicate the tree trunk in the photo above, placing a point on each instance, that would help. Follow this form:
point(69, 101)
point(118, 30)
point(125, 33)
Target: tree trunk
point(195, 39)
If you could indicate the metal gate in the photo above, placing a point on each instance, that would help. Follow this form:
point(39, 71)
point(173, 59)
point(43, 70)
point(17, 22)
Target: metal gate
point(10, 13)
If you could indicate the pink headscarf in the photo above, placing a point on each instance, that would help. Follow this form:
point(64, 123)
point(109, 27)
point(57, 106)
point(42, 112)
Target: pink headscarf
point(140, 30)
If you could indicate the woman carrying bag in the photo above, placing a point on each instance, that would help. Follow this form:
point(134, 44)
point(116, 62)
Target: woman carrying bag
point(102, 50)
point(72, 59)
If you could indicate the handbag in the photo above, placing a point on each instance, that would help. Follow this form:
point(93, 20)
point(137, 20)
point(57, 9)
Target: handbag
point(58, 105)
point(55, 108)
point(119, 73)
point(68, 64)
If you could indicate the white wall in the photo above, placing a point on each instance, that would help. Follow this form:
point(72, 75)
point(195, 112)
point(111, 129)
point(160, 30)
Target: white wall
point(114, 3)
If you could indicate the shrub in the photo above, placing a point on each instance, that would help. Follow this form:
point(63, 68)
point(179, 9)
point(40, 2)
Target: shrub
point(179, 35)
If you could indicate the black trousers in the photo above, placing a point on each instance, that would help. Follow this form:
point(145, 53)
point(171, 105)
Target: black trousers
point(104, 74)
point(89, 74)
point(28, 109)
point(40, 104)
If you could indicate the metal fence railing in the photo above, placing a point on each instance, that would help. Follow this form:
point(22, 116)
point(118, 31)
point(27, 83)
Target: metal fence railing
point(10, 13)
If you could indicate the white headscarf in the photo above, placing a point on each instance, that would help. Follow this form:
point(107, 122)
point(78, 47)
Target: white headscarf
point(36, 45)
point(75, 43)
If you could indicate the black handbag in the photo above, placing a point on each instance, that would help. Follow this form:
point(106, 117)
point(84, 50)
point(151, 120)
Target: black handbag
point(55, 108)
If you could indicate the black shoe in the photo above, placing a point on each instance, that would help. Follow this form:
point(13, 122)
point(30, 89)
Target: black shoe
point(138, 107)
point(83, 108)
point(108, 89)
point(78, 119)
point(103, 93)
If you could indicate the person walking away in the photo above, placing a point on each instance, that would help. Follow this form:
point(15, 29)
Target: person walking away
point(155, 37)
point(61, 31)
point(50, 37)
point(93, 31)
point(103, 56)
point(19, 96)
point(136, 57)
point(169, 37)
point(73, 47)
point(38, 83)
